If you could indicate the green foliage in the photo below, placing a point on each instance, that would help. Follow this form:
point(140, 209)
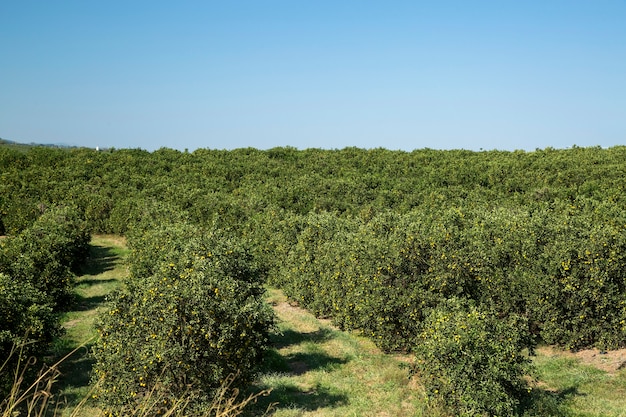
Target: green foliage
point(28, 320)
point(19, 212)
point(379, 274)
point(373, 239)
point(142, 214)
point(181, 243)
point(36, 281)
point(167, 244)
point(46, 254)
point(583, 300)
point(471, 362)
point(198, 318)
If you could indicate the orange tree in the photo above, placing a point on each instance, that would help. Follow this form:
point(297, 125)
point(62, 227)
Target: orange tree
point(197, 319)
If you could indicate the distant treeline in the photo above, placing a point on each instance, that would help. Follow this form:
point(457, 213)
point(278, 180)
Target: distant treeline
point(117, 189)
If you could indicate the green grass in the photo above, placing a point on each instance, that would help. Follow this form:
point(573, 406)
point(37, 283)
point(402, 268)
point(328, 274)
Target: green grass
point(585, 390)
point(317, 370)
point(103, 273)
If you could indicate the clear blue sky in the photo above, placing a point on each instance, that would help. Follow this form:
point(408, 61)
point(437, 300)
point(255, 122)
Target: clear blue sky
point(325, 74)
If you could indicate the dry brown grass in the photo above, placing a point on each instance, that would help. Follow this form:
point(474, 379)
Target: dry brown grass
point(31, 398)
point(610, 361)
point(37, 398)
point(110, 240)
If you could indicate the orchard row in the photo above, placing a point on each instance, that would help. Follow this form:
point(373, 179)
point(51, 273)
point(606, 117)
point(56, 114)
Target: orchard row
point(37, 267)
point(467, 259)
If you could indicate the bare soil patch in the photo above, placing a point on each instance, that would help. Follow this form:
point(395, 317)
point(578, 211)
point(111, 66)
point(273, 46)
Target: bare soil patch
point(284, 307)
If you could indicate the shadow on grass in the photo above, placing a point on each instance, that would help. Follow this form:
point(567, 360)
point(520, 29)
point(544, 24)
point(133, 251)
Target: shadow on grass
point(73, 382)
point(89, 282)
point(87, 303)
point(300, 363)
point(100, 260)
point(544, 402)
point(291, 337)
point(291, 397)
point(75, 373)
point(280, 369)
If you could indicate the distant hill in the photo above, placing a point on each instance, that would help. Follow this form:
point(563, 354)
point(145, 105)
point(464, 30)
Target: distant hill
point(24, 147)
